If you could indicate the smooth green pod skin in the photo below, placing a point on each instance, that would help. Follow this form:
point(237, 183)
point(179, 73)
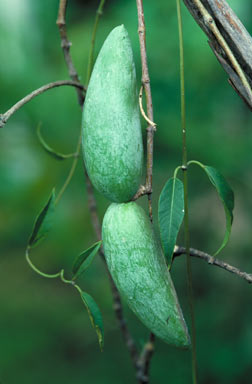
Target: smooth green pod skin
point(112, 137)
point(138, 268)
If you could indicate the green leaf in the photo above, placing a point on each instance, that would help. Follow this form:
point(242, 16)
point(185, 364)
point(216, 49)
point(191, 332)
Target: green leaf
point(227, 197)
point(50, 150)
point(170, 215)
point(95, 316)
point(43, 222)
point(84, 260)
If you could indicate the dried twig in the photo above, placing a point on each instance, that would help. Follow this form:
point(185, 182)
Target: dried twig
point(5, 116)
point(209, 21)
point(229, 40)
point(142, 191)
point(91, 54)
point(147, 90)
point(145, 358)
point(128, 339)
point(66, 45)
point(213, 261)
point(142, 110)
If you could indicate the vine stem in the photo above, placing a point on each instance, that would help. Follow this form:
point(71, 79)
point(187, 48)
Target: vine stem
point(50, 276)
point(148, 349)
point(35, 269)
point(186, 219)
point(71, 172)
point(65, 44)
point(47, 148)
point(147, 89)
point(91, 52)
point(5, 116)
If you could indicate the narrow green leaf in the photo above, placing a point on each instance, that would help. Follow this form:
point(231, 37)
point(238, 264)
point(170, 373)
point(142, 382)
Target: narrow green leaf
point(170, 215)
point(95, 316)
point(43, 222)
point(84, 260)
point(50, 150)
point(227, 197)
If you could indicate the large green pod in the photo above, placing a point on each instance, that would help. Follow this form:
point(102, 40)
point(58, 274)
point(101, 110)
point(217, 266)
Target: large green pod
point(138, 268)
point(112, 138)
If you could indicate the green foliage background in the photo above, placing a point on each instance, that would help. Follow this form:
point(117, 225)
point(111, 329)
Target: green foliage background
point(45, 333)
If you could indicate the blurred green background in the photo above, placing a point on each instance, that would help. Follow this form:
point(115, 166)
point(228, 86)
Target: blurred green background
point(45, 333)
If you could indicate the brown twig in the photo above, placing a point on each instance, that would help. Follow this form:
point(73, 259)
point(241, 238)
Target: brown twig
point(147, 90)
point(213, 261)
point(142, 191)
point(147, 352)
point(71, 172)
point(145, 360)
point(5, 116)
point(142, 110)
point(128, 339)
point(92, 206)
point(229, 40)
point(91, 55)
point(65, 44)
point(209, 21)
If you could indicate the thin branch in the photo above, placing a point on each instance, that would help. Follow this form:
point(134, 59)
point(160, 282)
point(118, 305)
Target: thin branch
point(209, 21)
point(229, 40)
point(92, 206)
point(145, 360)
point(147, 90)
point(213, 261)
point(147, 352)
point(128, 339)
point(66, 45)
point(142, 110)
point(50, 150)
point(71, 172)
point(5, 116)
point(142, 191)
point(91, 53)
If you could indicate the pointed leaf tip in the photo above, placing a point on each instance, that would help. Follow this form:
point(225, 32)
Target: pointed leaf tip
point(95, 316)
point(226, 195)
point(170, 215)
point(224, 190)
point(84, 260)
point(43, 222)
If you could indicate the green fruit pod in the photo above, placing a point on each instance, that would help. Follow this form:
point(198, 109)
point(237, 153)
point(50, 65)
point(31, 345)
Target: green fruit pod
point(138, 268)
point(112, 137)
